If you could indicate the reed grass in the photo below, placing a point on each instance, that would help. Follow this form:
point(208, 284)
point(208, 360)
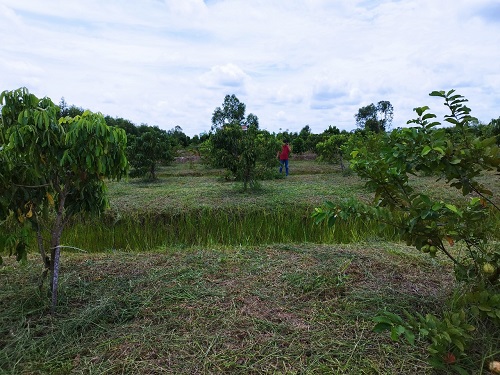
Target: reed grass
point(212, 226)
point(191, 205)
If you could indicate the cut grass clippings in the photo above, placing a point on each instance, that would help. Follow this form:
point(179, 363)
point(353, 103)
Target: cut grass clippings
point(248, 310)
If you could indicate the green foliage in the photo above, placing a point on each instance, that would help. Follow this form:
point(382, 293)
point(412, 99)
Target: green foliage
point(233, 112)
point(247, 155)
point(331, 150)
point(180, 140)
point(52, 170)
point(447, 337)
point(429, 224)
point(146, 150)
point(118, 122)
point(375, 118)
point(71, 111)
point(238, 145)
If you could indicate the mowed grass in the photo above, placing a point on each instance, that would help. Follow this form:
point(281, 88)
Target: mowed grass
point(181, 187)
point(281, 309)
point(192, 186)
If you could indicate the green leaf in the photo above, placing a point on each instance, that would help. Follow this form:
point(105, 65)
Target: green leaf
point(437, 206)
point(484, 308)
point(428, 116)
point(459, 344)
point(424, 332)
point(489, 141)
point(381, 327)
point(410, 337)
point(394, 334)
point(439, 149)
point(437, 93)
point(426, 150)
point(452, 121)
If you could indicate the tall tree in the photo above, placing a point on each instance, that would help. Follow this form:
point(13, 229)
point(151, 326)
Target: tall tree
point(232, 111)
point(376, 118)
point(252, 121)
point(52, 170)
point(231, 147)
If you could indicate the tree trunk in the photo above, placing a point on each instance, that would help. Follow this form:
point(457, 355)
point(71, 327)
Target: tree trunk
point(55, 251)
point(55, 279)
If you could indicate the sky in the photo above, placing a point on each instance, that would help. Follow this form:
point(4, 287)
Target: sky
point(293, 63)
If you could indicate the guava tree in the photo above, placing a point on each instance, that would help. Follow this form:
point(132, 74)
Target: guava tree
point(330, 150)
point(461, 230)
point(50, 171)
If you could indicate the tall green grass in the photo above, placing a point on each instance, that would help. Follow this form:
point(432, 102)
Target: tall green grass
point(212, 226)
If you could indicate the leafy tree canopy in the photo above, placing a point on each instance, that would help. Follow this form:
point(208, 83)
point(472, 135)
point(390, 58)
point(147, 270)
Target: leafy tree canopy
point(232, 112)
point(51, 170)
point(376, 118)
point(146, 150)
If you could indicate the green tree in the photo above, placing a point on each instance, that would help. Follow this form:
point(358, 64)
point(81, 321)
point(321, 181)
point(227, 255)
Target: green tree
point(179, 139)
point(71, 111)
point(331, 150)
point(52, 170)
point(376, 118)
point(231, 112)
point(252, 121)
point(302, 142)
point(119, 122)
point(146, 150)
point(435, 225)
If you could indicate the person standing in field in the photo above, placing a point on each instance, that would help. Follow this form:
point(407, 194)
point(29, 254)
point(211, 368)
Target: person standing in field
point(283, 156)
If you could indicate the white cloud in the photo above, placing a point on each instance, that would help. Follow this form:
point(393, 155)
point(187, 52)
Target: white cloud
point(293, 63)
point(228, 75)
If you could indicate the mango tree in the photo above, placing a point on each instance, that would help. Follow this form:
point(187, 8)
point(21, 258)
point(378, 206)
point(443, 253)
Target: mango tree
point(147, 150)
point(50, 171)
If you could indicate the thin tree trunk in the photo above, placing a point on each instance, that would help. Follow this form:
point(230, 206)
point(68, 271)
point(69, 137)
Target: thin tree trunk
point(55, 250)
point(55, 279)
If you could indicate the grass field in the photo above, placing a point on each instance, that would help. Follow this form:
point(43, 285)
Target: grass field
point(273, 296)
point(273, 309)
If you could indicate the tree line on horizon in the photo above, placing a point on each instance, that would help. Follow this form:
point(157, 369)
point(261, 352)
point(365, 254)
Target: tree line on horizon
point(149, 145)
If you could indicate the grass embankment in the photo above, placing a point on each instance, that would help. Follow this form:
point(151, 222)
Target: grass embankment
point(235, 284)
point(193, 205)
